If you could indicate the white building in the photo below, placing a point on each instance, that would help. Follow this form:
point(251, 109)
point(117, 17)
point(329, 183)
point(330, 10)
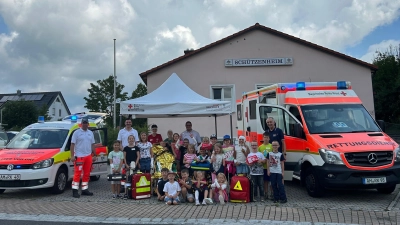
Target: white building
point(250, 59)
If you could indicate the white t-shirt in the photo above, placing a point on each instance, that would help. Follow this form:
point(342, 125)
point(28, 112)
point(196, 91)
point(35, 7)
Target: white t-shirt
point(257, 168)
point(275, 160)
point(144, 149)
point(240, 156)
point(124, 134)
point(196, 136)
point(83, 141)
point(172, 189)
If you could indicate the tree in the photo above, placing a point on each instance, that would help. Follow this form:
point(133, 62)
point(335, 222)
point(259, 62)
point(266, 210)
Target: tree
point(101, 97)
point(141, 90)
point(19, 114)
point(386, 85)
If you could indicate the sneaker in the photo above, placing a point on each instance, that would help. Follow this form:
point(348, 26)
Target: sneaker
point(125, 197)
point(261, 199)
point(197, 202)
point(221, 199)
point(114, 196)
point(209, 201)
point(87, 192)
point(284, 201)
point(119, 196)
point(204, 202)
point(75, 193)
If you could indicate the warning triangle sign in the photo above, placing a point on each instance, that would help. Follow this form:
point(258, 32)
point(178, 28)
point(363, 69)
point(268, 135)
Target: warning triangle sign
point(142, 181)
point(238, 186)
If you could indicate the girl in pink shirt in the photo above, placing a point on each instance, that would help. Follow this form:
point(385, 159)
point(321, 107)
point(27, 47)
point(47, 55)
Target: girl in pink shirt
point(189, 157)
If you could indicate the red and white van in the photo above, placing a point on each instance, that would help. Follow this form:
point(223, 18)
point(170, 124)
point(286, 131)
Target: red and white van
point(331, 140)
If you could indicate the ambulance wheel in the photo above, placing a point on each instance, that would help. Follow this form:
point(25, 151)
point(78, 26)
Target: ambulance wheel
point(95, 178)
point(387, 190)
point(2, 191)
point(313, 185)
point(60, 182)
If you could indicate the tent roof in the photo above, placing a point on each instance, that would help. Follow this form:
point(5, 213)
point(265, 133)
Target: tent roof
point(174, 98)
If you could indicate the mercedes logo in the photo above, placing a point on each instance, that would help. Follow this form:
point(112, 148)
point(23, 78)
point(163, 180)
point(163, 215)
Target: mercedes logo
point(372, 158)
point(10, 167)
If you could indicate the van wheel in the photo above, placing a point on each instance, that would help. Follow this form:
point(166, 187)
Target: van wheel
point(95, 178)
point(2, 191)
point(313, 185)
point(60, 182)
point(387, 190)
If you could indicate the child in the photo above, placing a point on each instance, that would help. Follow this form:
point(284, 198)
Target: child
point(183, 150)
point(276, 168)
point(240, 154)
point(170, 138)
point(228, 150)
point(257, 171)
point(176, 151)
point(186, 186)
point(265, 148)
point(217, 161)
point(202, 157)
point(200, 187)
point(219, 189)
point(131, 156)
point(161, 183)
point(154, 138)
point(116, 158)
point(189, 157)
point(172, 190)
point(206, 145)
point(146, 154)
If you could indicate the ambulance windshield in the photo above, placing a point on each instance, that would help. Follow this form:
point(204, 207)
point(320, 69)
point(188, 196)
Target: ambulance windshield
point(39, 139)
point(338, 118)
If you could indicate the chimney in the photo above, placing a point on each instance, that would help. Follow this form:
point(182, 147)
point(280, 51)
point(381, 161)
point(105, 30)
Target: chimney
point(19, 92)
point(188, 51)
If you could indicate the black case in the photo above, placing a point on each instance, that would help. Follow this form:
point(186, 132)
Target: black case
point(116, 177)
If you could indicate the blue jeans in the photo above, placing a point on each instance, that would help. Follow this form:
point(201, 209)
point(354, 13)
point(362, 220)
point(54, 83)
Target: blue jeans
point(145, 165)
point(258, 183)
point(277, 186)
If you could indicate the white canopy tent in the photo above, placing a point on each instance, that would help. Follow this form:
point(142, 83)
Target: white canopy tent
point(175, 99)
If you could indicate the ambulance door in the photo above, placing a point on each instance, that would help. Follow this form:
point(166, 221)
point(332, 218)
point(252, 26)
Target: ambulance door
point(295, 141)
point(100, 143)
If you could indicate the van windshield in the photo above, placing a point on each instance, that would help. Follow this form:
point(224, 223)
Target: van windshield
point(338, 118)
point(39, 139)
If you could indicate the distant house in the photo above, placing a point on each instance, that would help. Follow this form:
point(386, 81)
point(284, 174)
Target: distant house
point(54, 101)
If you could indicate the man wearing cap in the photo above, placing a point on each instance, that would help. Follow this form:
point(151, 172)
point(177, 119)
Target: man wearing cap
point(154, 138)
point(276, 134)
point(191, 134)
point(82, 151)
point(124, 133)
point(240, 155)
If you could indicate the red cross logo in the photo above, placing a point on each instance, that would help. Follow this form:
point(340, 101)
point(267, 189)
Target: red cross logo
point(130, 106)
point(343, 93)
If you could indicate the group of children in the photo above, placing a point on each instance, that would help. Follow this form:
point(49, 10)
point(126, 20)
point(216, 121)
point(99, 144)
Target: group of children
point(264, 163)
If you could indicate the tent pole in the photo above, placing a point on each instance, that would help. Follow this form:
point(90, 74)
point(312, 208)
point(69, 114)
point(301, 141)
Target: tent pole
point(215, 122)
point(230, 115)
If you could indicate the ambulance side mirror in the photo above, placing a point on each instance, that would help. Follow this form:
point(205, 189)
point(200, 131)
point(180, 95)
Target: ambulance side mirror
point(298, 131)
point(381, 123)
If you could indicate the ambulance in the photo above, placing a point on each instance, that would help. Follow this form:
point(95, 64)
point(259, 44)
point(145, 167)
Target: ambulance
point(39, 156)
point(332, 142)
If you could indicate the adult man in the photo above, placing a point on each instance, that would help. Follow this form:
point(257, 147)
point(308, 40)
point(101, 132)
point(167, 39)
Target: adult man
point(124, 133)
point(82, 151)
point(276, 134)
point(189, 133)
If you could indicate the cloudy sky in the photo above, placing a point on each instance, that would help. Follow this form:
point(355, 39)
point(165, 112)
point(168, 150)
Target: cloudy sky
point(64, 45)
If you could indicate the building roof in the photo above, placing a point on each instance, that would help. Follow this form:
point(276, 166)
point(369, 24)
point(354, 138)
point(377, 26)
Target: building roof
point(39, 98)
point(257, 26)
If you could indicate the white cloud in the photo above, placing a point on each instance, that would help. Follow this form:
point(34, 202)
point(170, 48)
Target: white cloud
point(380, 47)
point(66, 44)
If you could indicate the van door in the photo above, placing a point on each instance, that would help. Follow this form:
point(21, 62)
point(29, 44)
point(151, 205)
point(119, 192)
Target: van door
point(295, 143)
point(100, 143)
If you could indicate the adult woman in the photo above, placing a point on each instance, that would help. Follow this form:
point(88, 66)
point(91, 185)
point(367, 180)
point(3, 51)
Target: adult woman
point(146, 153)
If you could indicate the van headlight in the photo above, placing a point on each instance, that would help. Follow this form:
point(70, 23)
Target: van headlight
point(330, 156)
point(397, 154)
point(43, 164)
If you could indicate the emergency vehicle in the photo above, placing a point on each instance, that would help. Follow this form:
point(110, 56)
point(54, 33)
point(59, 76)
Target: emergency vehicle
point(39, 156)
point(332, 142)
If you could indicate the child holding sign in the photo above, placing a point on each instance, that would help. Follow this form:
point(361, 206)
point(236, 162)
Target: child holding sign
point(255, 160)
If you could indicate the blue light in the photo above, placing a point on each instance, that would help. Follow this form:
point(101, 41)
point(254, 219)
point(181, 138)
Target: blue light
point(301, 86)
point(18, 167)
point(341, 85)
point(41, 119)
point(74, 118)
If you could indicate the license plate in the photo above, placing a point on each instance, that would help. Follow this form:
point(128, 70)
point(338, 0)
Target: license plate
point(10, 176)
point(374, 180)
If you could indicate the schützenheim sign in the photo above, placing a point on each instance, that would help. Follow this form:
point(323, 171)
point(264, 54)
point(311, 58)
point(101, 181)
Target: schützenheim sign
point(259, 62)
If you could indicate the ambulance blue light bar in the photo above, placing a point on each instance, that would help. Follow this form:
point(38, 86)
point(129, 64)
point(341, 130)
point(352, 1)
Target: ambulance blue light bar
point(74, 119)
point(41, 119)
point(341, 85)
point(301, 86)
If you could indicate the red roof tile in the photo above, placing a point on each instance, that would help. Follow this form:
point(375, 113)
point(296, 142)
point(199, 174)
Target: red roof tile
point(257, 26)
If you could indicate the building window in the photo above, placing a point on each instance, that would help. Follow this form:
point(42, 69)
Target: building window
point(259, 86)
point(224, 93)
point(59, 113)
point(54, 111)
